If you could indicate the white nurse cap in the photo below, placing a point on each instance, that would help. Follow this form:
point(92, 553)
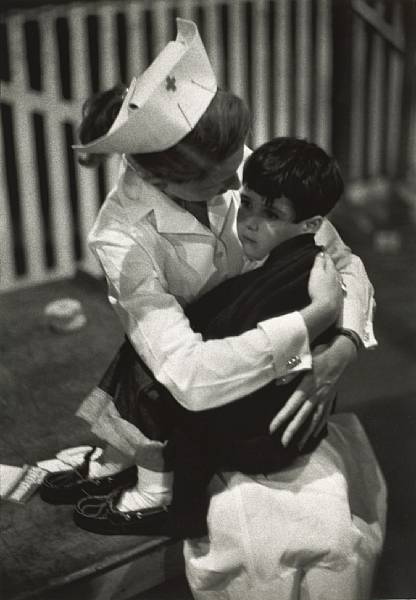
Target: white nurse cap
point(164, 103)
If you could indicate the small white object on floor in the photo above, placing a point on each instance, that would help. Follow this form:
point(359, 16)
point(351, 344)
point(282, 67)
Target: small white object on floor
point(65, 315)
point(19, 483)
point(9, 477)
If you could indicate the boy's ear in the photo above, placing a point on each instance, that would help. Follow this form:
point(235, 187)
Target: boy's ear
point(313, 224)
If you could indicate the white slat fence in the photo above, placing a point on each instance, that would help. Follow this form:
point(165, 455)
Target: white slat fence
point(282, 72)
point(378, 50)
point(276, 54)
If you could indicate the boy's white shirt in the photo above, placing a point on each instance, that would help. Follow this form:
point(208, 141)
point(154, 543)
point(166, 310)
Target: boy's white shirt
point(157, 258)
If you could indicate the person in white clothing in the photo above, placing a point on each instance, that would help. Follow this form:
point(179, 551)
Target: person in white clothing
point(165, 235)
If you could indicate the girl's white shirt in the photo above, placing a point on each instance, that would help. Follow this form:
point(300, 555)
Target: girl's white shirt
point(157, 257)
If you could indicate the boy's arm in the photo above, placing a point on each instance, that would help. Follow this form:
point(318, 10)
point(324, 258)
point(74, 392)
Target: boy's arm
point(315, 392)
point(359, 304)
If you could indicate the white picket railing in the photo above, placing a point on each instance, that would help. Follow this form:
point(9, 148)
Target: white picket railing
point(384, 68)
point(276, 54)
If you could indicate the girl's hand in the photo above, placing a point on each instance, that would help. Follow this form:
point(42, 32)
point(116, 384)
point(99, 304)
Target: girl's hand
point(316, 391)
point(324, 285)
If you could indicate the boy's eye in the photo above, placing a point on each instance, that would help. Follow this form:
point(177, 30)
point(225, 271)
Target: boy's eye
point(245, 202)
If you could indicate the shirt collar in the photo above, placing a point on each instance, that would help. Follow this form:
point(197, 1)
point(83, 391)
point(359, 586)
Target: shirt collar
point(141, 198)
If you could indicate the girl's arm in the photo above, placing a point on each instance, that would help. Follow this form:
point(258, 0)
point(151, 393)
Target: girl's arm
point(200, 375)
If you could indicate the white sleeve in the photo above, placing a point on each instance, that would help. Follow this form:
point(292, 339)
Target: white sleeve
point(359, 303)
point(199, 374)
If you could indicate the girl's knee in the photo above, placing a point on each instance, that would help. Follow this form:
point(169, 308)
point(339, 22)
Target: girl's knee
point(342, 540)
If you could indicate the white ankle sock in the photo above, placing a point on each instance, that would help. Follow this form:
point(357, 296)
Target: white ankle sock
point(96, 469)
point(111, 461)
point(152, 489)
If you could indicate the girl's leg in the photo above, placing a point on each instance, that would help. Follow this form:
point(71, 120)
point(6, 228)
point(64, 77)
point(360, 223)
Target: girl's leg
point(152, 489)
point(126, 411)
point(301, 530)
point(194, 463)
point(111, 461)
point(352, 583)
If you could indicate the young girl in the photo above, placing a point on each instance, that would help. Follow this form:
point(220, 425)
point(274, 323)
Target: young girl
point(289, 185)
point(165, 235)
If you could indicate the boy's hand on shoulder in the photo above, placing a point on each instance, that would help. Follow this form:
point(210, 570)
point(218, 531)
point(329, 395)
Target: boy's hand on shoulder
point(328, 237)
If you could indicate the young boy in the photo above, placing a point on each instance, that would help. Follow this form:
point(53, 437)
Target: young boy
point(289, 185)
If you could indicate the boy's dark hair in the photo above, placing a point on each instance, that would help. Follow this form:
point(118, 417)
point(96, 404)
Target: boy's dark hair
point(297, 169)
point(218, 134)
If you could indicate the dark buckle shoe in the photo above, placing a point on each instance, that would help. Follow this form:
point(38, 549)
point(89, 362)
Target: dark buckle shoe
point(102, 486)
point(67, 487)
point(100, 515)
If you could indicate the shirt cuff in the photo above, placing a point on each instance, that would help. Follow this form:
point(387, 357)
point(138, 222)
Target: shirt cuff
point(289, 343)
point(359, 321)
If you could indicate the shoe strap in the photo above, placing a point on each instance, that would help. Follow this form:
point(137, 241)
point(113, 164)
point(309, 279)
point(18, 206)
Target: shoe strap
point(84, 469)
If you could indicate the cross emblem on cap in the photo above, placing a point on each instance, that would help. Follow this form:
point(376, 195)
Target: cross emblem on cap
point(171, 84)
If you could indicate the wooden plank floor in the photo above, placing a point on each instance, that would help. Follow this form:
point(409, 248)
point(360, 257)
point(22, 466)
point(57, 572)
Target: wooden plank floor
point(44, 376)
point(381, 389)
point(174, 589)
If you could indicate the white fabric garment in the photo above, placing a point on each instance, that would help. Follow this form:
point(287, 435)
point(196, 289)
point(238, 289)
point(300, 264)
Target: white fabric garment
point(165, 102)
point(310, 532)
point(157, 258)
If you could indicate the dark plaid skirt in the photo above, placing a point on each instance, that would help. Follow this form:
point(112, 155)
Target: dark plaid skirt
point(130, 402)
point(127, 410)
